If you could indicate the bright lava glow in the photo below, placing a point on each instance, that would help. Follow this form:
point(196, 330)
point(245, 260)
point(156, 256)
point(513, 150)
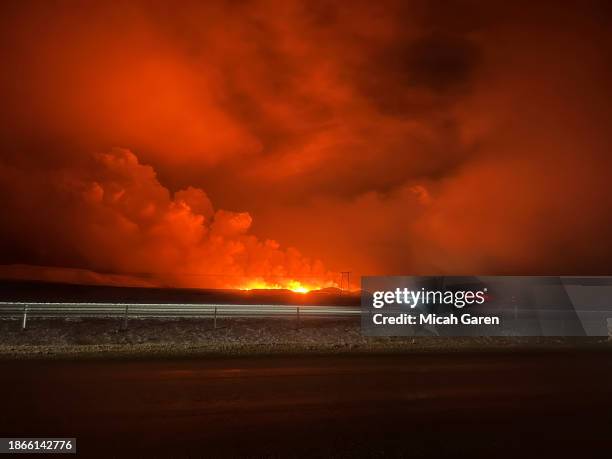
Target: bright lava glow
point(293, 285)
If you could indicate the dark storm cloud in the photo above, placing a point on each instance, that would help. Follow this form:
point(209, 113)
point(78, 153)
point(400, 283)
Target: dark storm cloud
point(433, 63)
point(441, 63)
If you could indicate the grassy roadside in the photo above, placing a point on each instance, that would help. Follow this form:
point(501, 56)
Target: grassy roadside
point(102, 338)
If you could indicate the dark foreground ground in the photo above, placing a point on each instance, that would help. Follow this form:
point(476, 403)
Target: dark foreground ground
point(497, 404)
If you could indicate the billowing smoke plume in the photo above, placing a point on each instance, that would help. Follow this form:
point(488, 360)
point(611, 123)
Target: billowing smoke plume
point(111, 215)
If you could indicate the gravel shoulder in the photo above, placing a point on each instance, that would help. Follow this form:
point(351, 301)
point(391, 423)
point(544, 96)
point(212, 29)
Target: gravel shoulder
point(102, 338)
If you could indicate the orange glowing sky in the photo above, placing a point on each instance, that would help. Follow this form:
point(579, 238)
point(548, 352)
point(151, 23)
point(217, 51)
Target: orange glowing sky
point(277, 143)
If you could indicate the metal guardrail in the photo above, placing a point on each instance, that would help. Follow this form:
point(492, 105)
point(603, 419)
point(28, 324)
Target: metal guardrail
point(126, 311)
point(80, 309)
point(159, 310)
point(25, 310)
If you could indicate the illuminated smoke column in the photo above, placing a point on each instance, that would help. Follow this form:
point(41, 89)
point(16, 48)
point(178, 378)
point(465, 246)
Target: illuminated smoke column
point(113, 216)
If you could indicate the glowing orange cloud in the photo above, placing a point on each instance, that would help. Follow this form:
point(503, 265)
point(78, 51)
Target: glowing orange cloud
point(126, 222)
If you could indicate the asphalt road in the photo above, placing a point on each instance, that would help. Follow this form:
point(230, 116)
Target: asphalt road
point(549, 404)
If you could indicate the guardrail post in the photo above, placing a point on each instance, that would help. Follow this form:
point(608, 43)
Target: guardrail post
point(215, 321)
point(25, 317)
point(124, 325)
point(297, 313)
